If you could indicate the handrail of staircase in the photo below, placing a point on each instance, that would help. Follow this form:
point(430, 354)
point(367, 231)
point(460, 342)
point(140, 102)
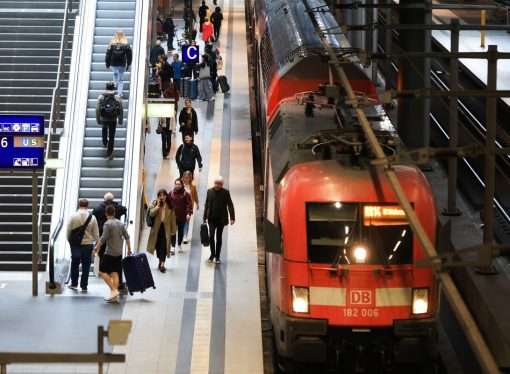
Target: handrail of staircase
point(54, 116)
point(131, 190)
point(51, 254)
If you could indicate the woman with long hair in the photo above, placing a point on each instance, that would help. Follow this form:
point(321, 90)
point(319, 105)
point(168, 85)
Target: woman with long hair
point(164, 226)
point(119, 57)
point(191, 188)
point(181, 201)
point(188, 120)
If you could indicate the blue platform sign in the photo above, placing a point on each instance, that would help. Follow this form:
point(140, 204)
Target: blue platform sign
point(21, 142)
point(190, 53)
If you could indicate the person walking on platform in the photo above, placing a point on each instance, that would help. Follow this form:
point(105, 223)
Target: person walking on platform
point(156, 51)
point(110, 266)
point(216, 19)
point(188, 121)
point(205, 89)
point(202, 13)
point(119, 57)
point(172, 92)
point(191, 188)
point(178, 69)
point(218, 207)
point(181, 201)
point(186, 155)
point(169, 29)
point(189, 21)
point(109, 113)
point(207, 30)
point(165, 72)
point(163, 228)
point(82, 253)
point(213, 69)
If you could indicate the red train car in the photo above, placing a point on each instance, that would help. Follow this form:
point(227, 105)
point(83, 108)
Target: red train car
point(340, 257)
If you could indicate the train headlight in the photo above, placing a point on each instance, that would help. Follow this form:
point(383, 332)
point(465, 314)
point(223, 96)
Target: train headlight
point(300, 299)
point(420, 300)
point(360, 254)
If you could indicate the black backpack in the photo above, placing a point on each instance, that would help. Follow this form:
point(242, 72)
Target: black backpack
point(118, 55)
point(110, 108)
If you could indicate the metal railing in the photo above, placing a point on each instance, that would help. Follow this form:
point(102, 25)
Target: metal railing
point(54, 117)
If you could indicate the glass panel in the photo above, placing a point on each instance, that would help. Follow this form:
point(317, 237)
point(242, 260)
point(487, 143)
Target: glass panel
point(335, 232)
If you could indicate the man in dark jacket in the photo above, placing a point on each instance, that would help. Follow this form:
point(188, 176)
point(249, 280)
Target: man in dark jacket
point(186, 155)
point(169, 28)
point(202, 13)
point(156, 51)
point(109, 113)
point(100, 213)
point(218, 207)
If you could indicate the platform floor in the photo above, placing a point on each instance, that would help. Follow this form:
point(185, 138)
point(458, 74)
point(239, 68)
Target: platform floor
point(202, 318)
point(470, 41)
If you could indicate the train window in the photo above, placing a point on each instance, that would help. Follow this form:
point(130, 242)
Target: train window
point(336, 231)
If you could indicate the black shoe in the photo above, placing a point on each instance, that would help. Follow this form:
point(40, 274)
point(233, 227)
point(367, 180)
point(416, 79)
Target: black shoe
point(218, 261)
point(162, 269)
point(211, 259)
point(84, 289)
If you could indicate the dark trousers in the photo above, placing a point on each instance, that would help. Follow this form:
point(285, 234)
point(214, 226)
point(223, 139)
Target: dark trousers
point(161, 243)
point(216, 31)
point(215, 244)
point(170, 41)
point(109, 136)
point(166, 139)
point(81, 254)
point(214, 81)
point(180, 233)
point(202, 20)
point(182, 170)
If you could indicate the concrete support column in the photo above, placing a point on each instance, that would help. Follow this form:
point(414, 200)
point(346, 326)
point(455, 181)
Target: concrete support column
point(414, 73)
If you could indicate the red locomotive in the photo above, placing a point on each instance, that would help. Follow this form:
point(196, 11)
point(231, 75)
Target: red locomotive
point(343, 288)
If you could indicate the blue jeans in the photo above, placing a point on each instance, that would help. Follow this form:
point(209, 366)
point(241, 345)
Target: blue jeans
point(118, 78)
point(186, 229)
point(83, 254)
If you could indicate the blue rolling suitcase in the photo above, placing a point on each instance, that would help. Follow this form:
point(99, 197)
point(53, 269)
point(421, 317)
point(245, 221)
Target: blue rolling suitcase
point(138, 273)
point(193, 89)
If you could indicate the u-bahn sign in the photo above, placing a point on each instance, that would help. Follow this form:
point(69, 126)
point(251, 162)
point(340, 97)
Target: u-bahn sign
point(21, 142)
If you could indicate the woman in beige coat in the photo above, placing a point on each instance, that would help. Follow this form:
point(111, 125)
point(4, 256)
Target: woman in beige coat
point(163, 228)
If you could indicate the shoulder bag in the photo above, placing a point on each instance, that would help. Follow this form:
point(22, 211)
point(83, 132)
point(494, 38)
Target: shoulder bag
point(76, 236)
point(205, 72)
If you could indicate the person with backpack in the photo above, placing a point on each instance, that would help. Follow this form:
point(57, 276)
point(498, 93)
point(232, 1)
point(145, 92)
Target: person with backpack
point(82, 232)
point(119, 57)
point(109, 113)
point(186, 155)
point(169, 28)
point(216, 19)
point(202, 13)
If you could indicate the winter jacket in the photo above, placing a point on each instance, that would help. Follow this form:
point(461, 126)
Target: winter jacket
point(181, 201)
point(166, 72)
point(218, 206)
point(103, 120)
point(125, 61)
point(183, 121)
point(100, 212)
point(168, 26)
point(207, 31)
point(216, 18)
point(186, 156)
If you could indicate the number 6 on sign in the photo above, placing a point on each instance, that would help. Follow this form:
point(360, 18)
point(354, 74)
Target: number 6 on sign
point(4, 143)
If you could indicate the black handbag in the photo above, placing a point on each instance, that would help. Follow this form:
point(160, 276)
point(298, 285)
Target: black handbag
point(148, 218)
point(204, 235)
point(76, 235)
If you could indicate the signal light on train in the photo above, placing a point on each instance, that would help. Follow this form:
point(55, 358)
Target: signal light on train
point(338, 204)
point(360, 254)
point(420, 300)
point(300, 299)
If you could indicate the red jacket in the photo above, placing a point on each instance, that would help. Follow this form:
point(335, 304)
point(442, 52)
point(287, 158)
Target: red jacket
point(207, 31)
point(181, 201)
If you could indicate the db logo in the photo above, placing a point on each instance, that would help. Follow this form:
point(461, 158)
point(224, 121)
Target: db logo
point(360, 297)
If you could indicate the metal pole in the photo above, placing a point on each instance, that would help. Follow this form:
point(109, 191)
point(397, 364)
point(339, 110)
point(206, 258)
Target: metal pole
point(100, 347)
point(35, 235)
point(3, 368)
point(490, 165)
point(387, 47)
point(482, 33)
point(451, 209)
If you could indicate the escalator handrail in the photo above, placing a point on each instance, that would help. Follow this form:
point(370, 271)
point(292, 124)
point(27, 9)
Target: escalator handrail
point(51, 250)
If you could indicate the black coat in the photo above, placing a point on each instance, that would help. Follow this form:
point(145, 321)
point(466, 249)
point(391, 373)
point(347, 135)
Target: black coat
point(183, 121)
point(128, 57)
point(186, 155)
point(168, 26)
point(156, 51)
point(166, 72)
point(100, 212)
point(216, 18)
point(218, 206)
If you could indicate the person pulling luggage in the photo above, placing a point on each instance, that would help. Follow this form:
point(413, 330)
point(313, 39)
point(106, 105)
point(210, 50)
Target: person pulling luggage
point(111, 264)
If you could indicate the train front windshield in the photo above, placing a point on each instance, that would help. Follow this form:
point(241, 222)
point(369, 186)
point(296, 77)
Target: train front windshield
point(358, 233)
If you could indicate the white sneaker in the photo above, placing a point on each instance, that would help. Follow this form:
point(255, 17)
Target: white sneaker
point(180, 249)
point(185, 241)
point(72, 287)
point(112, 295)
